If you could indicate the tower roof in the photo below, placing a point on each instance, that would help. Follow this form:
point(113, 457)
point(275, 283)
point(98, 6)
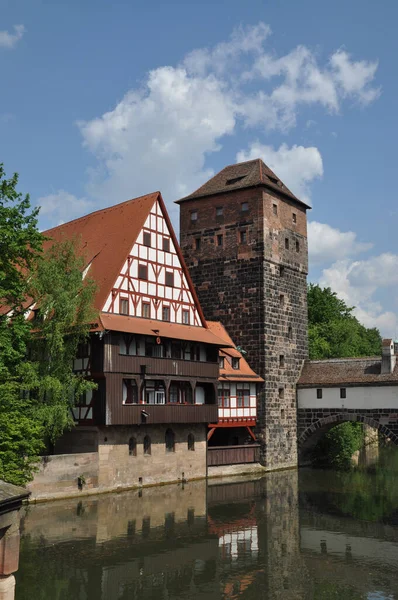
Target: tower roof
point(252, 173)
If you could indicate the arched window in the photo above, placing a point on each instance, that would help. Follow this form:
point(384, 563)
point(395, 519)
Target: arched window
point(169, 439)
point(133, 446)
point(191, 442)
point(147, 445)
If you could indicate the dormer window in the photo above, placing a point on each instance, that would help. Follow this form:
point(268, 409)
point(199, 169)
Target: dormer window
point(273, 179)
point(234, 180)
point(235, 363)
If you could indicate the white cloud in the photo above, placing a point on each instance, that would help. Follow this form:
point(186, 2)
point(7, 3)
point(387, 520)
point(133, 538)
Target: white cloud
point(327, 244)
point(297, 166)
point(354, 78)
point(357, 282)
point(62, 206)
point(9, 40)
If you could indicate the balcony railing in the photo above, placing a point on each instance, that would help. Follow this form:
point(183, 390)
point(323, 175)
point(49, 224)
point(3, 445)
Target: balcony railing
point(121, 363)
point(232, 455)
point(136, 414)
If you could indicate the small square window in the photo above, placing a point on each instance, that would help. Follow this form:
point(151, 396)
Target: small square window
point(235, 363)
point(319, 394)
point(169, 280)
point(166, 313)
point(244, 207)
point(147, 239)
point(281, 393)
point(124, 306)
point(286, 243)
point(143, 272)
point(221, 362)
point(219, 211)
point(343, 393)
point(243, 236)
point(219, 240)
point(197, 243)
point(146, 310)
point(297, 246)
point(166, 245)
point(194, 215)
point(281, 361)
point(275, 209)
point(185, 317)
point(294, 218)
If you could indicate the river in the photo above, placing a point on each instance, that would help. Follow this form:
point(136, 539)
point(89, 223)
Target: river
point(304, 534)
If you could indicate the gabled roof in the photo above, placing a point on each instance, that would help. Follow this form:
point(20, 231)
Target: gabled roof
point(344, 372)
point(106, 237)
point(245, 372)
point(252, 173)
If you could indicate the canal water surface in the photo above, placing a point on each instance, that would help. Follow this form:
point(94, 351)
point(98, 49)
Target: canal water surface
point(292, 535)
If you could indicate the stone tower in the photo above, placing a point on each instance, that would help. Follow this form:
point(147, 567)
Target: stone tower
point(244, 237)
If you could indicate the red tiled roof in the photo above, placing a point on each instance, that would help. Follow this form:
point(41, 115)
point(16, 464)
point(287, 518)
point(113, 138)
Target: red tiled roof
point(245, 372)
point(161, 329)
point(243, 175)
point(345, 371)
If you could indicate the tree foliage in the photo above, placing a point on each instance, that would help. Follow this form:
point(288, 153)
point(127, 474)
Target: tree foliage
point(37, 383)
point(337, 447)
point(333, 330)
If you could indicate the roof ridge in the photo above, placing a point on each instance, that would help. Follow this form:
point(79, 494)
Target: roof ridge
point(104, 210)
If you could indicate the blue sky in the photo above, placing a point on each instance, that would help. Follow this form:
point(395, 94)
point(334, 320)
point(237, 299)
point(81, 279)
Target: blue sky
point(106, 100)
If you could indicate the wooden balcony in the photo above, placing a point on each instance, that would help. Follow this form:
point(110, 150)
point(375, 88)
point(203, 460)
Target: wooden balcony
point(132, 414)
point(168, 367)
point(232, 455)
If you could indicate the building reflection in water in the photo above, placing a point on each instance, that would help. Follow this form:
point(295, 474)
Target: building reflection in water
point(245, 540)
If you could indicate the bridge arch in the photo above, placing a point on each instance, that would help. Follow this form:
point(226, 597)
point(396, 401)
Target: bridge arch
point(312, 434)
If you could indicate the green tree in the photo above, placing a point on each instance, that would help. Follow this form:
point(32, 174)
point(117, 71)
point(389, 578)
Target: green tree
point(333, 331)
point(37, 383)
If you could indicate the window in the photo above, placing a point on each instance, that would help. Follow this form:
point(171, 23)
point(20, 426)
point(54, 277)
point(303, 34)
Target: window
point(281, 300)
point(191, 442)
point(185, 317)
point(146, 310)
point(244, 207)
point(275, 209)
point(243, 395)
point(194, 215)
point(286, 243)
point(281, 393)
point(175, 350)
point(133, 446)
point(319, 394)
point(290, 332)
point(130, 391)
point(147, 239)
point(169, 440)
point(166, 245)
point(281, 361)
point(197, 243)
point(143, 272)
point(166, 313)
point(242, 237)
point(281, 271)
point(219, 211)
point(294, 218)
point(169, 279)
point(174, 393)
point(282, 413)
point(153, 349)
point(219, 240)
point(297, 246)
point(221, 362)
point(124, 306)
point(235, 363)
point(224, 395)
point(343, 393)
point(127, 344)
point(234, 180)
point(147, 446)
point(154, 392)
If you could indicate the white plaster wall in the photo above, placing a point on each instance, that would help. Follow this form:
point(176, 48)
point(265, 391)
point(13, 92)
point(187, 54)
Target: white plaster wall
point(365, 397)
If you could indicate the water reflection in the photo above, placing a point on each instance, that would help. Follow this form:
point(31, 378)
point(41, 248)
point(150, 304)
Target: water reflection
point(287, 535)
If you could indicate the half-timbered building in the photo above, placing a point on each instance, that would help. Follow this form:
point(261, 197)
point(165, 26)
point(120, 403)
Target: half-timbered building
point(151, 352)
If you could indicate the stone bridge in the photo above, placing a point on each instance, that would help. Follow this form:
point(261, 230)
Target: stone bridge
point(363, 390)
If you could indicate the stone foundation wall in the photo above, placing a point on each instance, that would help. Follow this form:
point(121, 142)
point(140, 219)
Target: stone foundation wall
point(117, 468)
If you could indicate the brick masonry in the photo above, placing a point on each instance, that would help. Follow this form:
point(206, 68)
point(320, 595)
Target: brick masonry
point(255, 284)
